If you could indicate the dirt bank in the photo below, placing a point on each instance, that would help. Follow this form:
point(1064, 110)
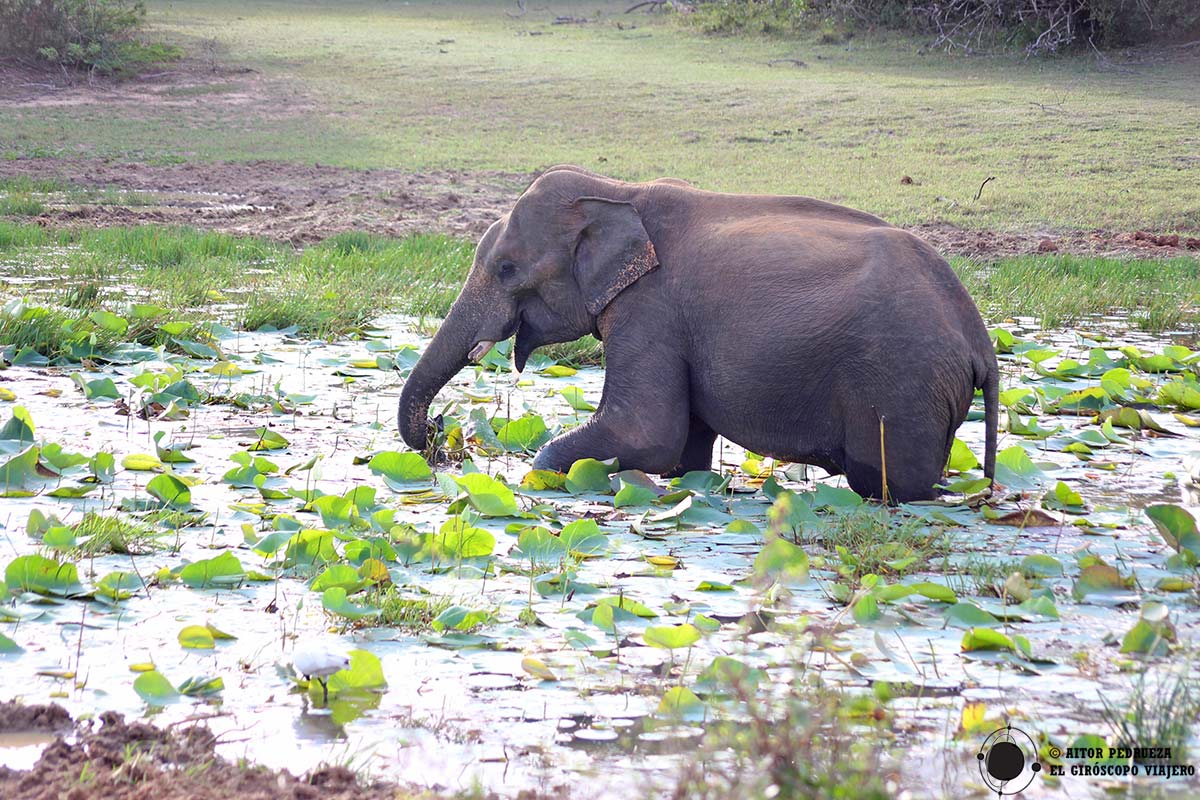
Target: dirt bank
point(113, 759)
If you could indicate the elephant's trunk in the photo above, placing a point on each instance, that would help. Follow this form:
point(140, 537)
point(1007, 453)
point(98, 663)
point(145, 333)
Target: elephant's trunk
point(441, 361)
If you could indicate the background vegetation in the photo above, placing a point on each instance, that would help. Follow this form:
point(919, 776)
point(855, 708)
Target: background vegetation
point(87, 34)
point(1036, 26)
point(1074, 142)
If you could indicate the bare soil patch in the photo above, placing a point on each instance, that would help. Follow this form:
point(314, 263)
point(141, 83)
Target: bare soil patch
point(177, 87)
point(19, 718)
point(117, 760)
point(282, 201)
point(301, 204)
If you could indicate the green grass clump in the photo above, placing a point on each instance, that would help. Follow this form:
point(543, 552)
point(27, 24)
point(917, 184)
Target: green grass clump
point(334, 288)
point(1157, 714)
point(171, 246)
point(24, 184)
point(20, 205)
point(802, 743)
point(14, 235)
point(412, 614)
point(100, 534)
point(870, 540)
point(50, 331)
point(1063, 290)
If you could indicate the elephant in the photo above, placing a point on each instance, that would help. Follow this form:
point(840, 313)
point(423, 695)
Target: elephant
point(799, 329)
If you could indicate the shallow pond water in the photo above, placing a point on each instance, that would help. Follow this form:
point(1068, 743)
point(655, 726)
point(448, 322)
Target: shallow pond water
point(467, 707)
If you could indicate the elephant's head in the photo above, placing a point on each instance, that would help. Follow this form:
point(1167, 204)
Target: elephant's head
point(544, 272)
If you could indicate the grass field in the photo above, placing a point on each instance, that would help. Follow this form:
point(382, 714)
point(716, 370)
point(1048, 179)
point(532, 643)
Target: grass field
point(540, 625)
point(1073, 142)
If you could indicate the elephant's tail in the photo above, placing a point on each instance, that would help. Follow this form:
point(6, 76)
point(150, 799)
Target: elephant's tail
point(991, 414)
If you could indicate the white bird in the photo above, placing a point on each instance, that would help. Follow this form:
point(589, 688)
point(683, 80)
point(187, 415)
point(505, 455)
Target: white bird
point(319, 660)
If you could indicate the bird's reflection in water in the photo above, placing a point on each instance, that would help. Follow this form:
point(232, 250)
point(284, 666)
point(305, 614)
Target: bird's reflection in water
point(318, 720)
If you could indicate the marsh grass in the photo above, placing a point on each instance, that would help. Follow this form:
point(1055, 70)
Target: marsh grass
point(336, 287)
point(1063, 290)
point(20, 205)
point(38, 192)
point(24, 184)
point(102, 534)
point(15, 235)
point(1159, 714)
point(50, 331)
point(870, 540)
point(412, 614)
point(324, 291)
point(984, 574)
point(806, 743)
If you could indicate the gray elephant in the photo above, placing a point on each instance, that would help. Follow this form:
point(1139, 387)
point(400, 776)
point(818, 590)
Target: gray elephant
point(799, 329)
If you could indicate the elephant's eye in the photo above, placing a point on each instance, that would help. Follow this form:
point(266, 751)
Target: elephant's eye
point(506, 269)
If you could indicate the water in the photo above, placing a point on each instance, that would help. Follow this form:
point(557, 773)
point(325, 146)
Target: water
point(454, 717)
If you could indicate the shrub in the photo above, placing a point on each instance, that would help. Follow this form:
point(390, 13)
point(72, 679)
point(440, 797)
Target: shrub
point(95, 35)
point(751, 16)
point(1037, 26)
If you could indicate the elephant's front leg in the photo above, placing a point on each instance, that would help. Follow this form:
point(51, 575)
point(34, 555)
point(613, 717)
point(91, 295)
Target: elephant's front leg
point(642, 419)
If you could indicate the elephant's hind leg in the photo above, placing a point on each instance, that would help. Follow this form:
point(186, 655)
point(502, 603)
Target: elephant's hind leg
point(912, 454)
point(698, 451)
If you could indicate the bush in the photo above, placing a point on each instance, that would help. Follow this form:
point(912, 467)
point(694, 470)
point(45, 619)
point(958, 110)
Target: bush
point(1037, 26)
point(752, 16)
point(80, 34)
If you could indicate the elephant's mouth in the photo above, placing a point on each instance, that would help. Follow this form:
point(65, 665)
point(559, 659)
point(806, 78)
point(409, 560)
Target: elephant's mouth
point(482, 347)
point(480, 350)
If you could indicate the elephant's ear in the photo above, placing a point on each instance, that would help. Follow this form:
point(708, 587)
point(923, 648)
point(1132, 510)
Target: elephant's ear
point(612, 252)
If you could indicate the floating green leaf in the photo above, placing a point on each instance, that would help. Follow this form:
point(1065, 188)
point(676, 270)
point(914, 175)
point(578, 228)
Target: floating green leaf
point(524, 434)
point(365, 674)
point(1016, 470)
point(267, 439)
point(458, 539)
point(196, 637)
point(118, 585)
point(589, 476)
point(966, 614)
point(539, 547)
point(154, 688)
point(221, 571)
point(171, 491)
point(584, 537)
point(633, 495)
point(961, 457)
point(140, 462)
point(1177, 527)
point(574, 397)
point(100, 388)
point(680, 702)
point(1097, 579)
point(400, 469)
point(340, 575)
point(41, 575)
point(19, 427)
point(541, 480)
point(671, 637)
point(488, 496)
point(334, 601)
point(461, 618)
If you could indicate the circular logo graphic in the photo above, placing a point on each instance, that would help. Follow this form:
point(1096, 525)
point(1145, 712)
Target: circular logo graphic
point(1008, 761)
